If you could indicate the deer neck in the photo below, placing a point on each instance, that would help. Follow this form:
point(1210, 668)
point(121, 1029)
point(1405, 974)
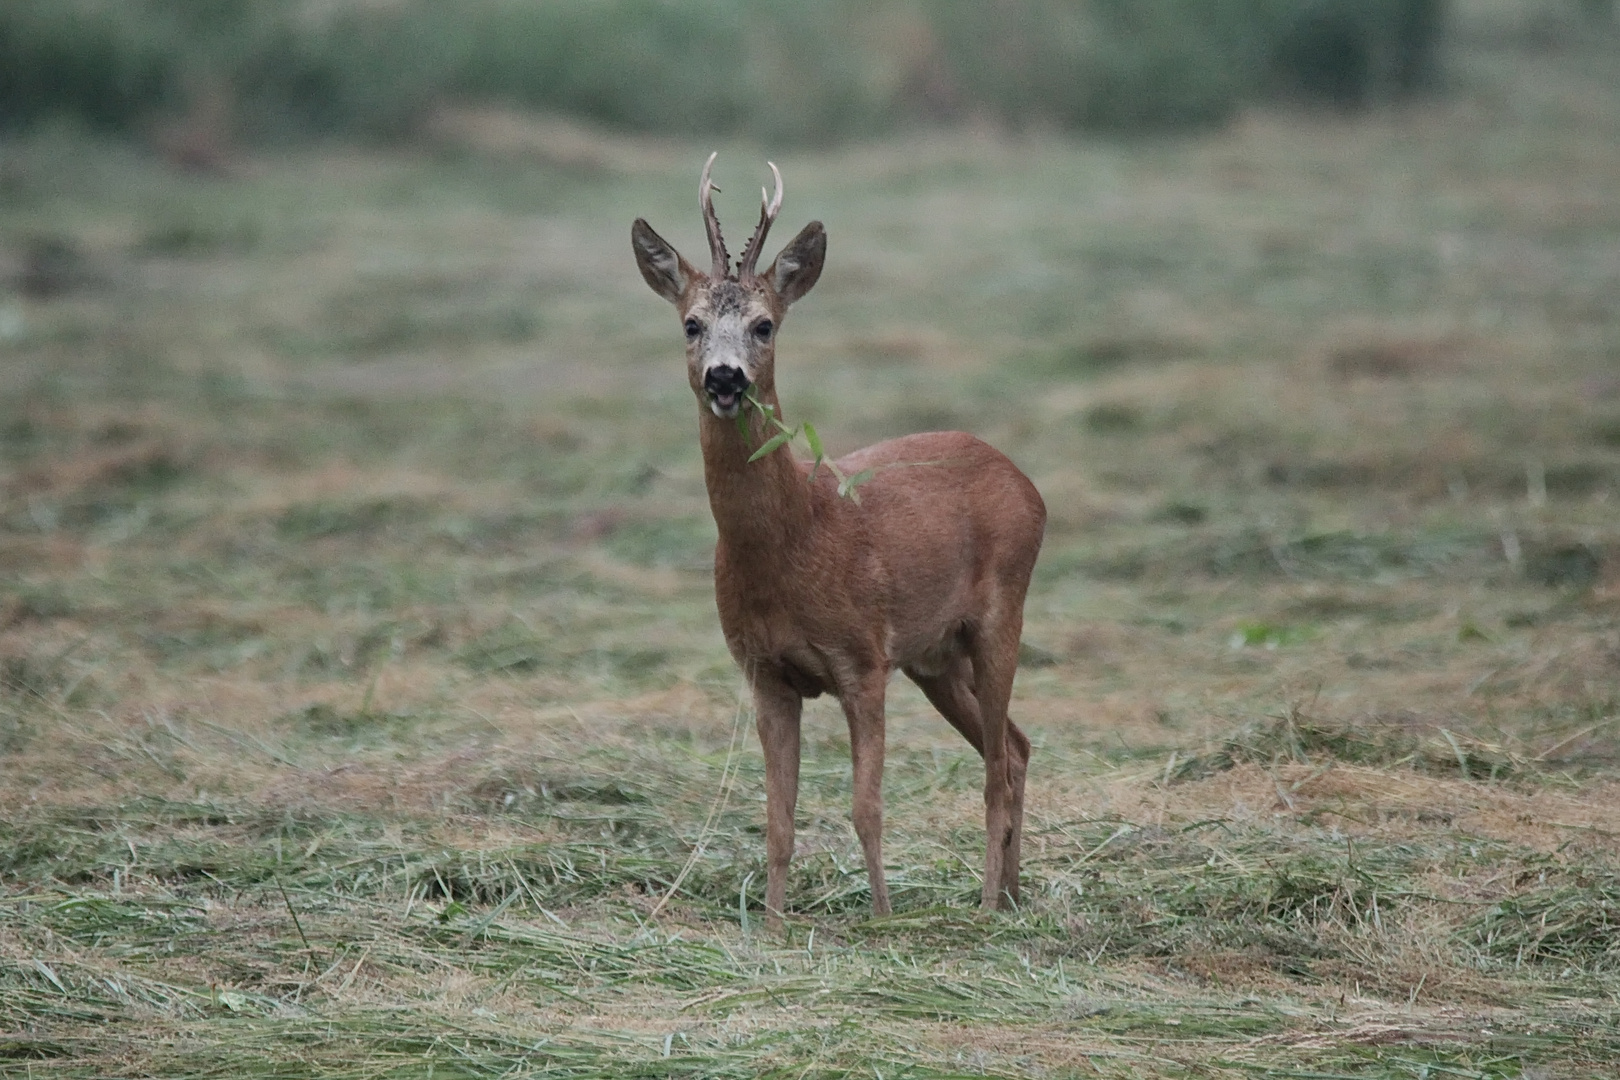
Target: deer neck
point(761, 508)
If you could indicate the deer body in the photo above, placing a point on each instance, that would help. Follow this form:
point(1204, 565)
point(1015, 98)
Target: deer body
point(820, 593)
point(940, 537)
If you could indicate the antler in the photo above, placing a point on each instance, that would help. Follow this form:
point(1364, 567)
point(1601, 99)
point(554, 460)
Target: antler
point(768, 209)
point(711, 223)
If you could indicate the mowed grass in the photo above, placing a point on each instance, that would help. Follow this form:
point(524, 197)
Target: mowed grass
point(363, 710)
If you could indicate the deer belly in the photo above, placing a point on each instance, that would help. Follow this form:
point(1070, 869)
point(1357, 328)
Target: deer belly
point(806, 684)
point(801, 668)
point(928, 656)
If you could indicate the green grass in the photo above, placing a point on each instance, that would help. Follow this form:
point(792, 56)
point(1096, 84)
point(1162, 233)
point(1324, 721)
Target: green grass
point(363, 710)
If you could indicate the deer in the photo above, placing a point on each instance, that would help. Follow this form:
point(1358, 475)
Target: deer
point(826, 590)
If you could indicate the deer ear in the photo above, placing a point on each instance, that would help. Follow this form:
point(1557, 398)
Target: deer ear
point(661, 265)
point(798, 267)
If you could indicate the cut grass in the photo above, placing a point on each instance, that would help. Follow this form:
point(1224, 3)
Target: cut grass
point(1392, 742)
point(346, 915)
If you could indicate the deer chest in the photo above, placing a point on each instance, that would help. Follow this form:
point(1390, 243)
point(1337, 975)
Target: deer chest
point(775, 641)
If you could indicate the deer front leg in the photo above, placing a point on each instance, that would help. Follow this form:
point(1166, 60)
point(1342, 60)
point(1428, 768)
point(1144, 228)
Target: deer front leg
point(777, 707)
point(863, 709)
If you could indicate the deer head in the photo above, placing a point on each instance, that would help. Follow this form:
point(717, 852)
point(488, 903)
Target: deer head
point(730, 318)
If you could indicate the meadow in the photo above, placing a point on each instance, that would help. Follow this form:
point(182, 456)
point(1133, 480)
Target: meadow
point(364, 712)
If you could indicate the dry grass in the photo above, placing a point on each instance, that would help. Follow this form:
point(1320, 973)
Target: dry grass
point(361, 696)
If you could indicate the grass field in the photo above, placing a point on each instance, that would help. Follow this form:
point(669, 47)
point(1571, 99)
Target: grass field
point(364, 713)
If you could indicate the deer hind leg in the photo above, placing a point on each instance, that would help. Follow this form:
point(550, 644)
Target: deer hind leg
point(863, 709)
point(1017, 768)
point(951, 692)
point(994, 654)
point(777, 708)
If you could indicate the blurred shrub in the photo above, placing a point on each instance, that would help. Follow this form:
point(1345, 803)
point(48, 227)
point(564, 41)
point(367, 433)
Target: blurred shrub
point(1110, 63)
point(781, 69)
point(1350, 54)
point(105, 64)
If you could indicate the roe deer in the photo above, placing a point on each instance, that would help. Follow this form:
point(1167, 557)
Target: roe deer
point(925, 571)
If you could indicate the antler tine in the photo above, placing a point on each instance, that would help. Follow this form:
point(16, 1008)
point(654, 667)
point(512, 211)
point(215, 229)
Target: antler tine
point(711, 223)
point(768, 209)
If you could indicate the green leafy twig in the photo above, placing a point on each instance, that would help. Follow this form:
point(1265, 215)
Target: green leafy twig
point(846, 483)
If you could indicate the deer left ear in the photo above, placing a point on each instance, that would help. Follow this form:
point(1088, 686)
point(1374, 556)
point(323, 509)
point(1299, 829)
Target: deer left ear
point(660, 264)
point(798, 267)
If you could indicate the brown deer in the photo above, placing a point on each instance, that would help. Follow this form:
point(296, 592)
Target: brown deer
point(925, 570)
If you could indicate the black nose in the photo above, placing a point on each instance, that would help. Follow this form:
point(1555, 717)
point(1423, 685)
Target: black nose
point(723, 381)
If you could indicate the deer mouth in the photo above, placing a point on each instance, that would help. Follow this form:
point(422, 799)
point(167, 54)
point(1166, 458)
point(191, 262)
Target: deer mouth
point(725, 387)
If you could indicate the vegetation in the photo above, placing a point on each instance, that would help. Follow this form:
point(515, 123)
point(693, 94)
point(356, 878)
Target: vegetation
point(363, 709)
point(773, 69)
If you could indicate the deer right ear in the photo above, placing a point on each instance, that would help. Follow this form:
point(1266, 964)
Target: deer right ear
point(798, 267)
point(661, 265)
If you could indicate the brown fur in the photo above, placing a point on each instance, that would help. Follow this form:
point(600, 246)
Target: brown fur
point(820, 594)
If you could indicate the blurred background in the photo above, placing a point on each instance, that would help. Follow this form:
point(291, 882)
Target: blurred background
point(295, 291)
point(777, 71)
point(324, 349)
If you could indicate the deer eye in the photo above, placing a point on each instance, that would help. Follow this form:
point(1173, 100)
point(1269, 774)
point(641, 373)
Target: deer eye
point(693, 329)
point(762, 329)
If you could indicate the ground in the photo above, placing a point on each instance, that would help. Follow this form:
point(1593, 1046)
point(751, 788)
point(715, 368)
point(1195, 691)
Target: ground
point(365, 712)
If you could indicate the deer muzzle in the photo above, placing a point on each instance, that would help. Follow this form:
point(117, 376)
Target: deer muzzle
point(725, 386)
